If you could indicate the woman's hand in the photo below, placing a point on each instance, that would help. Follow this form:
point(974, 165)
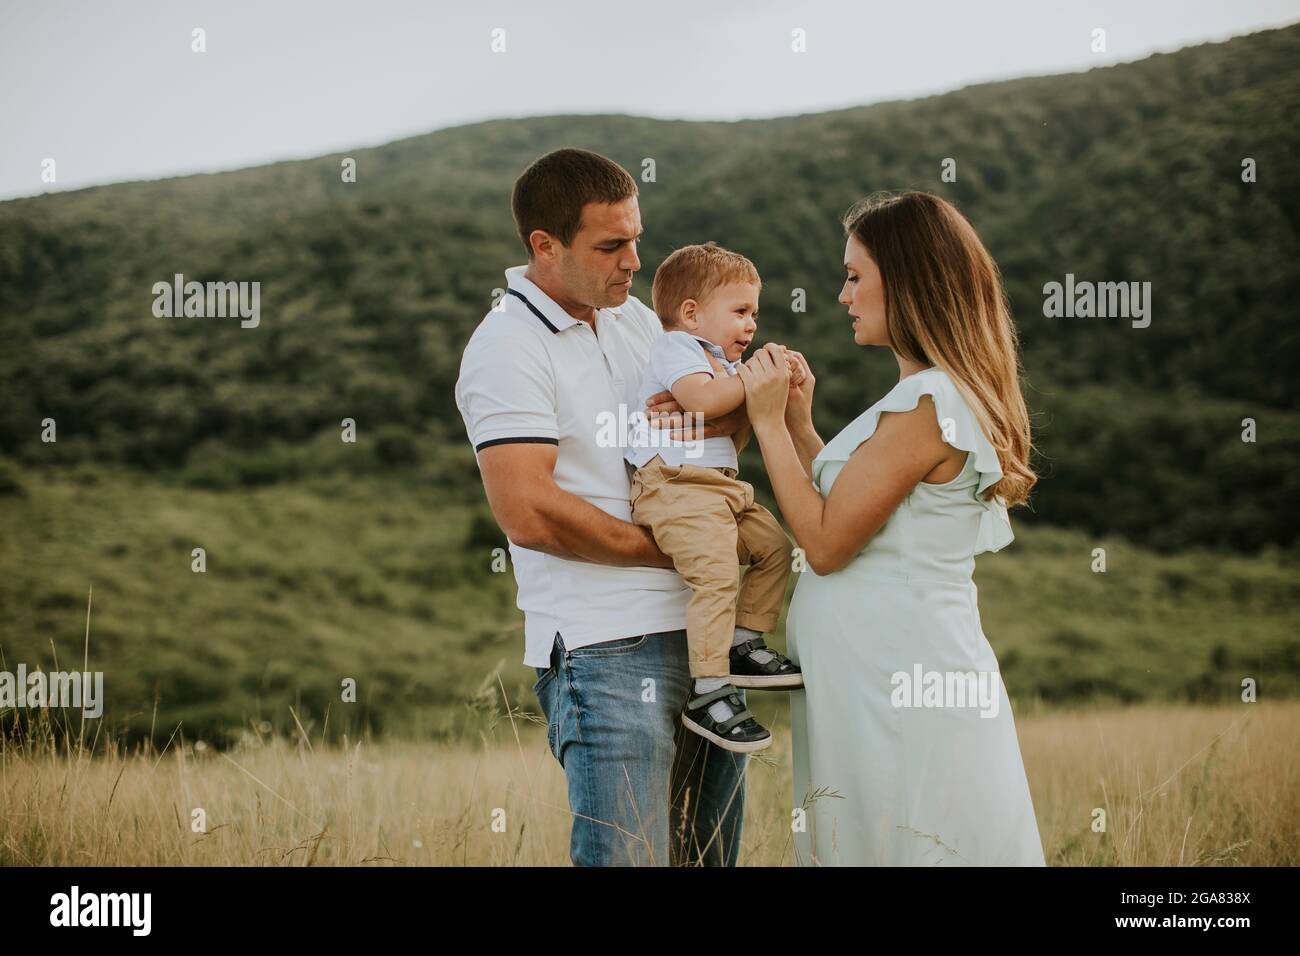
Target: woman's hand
point(767, 385)
point(798, 406)
point(796, 370)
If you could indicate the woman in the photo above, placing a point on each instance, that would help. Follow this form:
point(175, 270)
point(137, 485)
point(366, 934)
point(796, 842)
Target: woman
point(905, 750)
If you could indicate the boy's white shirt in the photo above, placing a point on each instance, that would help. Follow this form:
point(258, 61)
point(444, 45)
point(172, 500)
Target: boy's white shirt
point(673, 356)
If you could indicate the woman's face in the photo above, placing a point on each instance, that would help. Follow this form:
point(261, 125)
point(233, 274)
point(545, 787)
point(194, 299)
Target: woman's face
point(864, 294)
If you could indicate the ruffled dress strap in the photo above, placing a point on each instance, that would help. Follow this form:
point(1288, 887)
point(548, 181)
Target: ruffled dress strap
point(960, 428)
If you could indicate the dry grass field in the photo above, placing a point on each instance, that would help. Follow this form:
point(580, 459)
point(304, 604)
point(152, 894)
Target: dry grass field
point(1181, 786)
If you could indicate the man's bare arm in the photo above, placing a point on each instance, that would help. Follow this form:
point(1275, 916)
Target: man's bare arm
point(538, 514)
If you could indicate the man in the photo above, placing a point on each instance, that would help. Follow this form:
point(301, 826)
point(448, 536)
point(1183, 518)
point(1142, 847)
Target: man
point(604, 611)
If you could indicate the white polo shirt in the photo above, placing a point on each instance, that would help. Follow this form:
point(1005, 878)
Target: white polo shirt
point(533, 373)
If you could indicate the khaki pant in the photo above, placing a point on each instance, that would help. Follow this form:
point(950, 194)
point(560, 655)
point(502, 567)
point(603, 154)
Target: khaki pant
point(707, 522)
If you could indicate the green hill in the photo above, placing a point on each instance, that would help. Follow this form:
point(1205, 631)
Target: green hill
point(370, 289)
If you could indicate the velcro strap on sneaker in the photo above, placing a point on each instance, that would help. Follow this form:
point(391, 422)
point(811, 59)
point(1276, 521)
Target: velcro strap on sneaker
point(773, 665)
point(705, 699)
point(733, 720)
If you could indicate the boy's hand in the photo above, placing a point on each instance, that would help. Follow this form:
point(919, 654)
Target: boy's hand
point(796, 370)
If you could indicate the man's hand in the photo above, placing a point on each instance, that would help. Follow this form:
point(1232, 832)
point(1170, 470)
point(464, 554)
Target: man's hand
point(663, 411)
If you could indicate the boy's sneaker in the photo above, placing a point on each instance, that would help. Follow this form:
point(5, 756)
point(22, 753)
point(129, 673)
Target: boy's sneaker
point(772, 671)
point(739, 731)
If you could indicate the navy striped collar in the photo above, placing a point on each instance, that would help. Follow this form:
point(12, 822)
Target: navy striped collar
point(540, 304)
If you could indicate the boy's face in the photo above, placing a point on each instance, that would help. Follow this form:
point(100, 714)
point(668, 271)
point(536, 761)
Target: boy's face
point(727, 318)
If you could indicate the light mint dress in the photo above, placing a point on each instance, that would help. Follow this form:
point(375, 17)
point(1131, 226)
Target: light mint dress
point(886, 776)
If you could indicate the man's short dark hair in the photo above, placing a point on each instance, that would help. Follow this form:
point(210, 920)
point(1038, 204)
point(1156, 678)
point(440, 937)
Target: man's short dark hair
point(550, 193)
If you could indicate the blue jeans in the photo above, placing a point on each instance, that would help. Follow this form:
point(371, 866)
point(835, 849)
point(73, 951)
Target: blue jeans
point(644, 791)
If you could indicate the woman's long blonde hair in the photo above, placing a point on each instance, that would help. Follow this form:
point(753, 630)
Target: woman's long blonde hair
point(945, 306)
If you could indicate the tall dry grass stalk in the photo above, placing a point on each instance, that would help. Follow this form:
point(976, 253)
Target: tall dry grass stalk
point(1172, 785)
point(1180, 785)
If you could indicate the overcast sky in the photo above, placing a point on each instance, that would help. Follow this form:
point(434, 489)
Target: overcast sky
point(112, 91)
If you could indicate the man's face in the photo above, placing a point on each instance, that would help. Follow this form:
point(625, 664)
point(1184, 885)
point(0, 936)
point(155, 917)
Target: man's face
point(597, 267)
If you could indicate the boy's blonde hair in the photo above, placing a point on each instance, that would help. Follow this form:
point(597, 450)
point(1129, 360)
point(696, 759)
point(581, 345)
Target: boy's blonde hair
point(693, 272)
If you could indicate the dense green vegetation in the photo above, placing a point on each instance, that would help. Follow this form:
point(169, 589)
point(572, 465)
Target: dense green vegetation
point(387, 582)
